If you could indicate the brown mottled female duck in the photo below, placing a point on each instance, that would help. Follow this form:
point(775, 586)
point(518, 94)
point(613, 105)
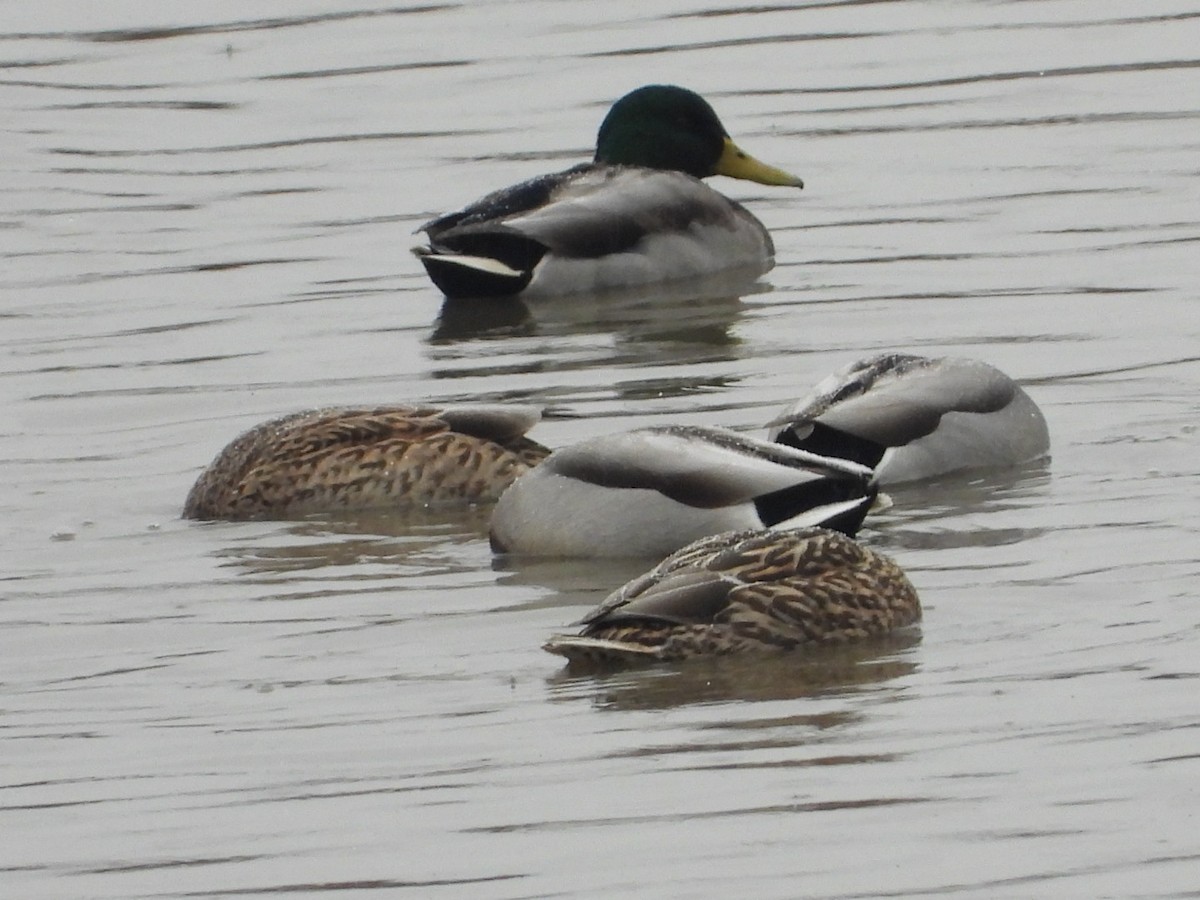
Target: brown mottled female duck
point(747, 591)
point(345, 459)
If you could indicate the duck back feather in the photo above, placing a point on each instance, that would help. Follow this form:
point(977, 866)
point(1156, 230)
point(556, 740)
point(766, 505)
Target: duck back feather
point(593, 228)
point(747, 591)
point(912, 417)
point(340, 459)
point(649, 491)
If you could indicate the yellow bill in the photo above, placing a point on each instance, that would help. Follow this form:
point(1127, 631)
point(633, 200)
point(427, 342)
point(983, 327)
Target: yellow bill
point(737, 163)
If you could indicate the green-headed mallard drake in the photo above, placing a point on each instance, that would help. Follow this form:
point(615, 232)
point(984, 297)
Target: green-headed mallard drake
point(747, 591)
point(341, 459)
point(912, 417)
point(637, 214)
point(650, 491)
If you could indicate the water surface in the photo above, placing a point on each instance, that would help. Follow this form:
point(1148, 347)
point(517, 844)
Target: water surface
point(206, 219)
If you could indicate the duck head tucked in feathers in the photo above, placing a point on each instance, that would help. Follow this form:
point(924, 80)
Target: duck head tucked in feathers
point(649, 491)
point(344, 458)
point(914, 417)
point(747, 591)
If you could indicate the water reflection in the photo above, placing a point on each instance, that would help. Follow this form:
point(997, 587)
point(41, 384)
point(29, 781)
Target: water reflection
point(209, 222)
point(567, 582)
point(473, 320)
point(428, 540)
point(946, 513)
point(693, 311)
point(690, 325)
point(820, 671)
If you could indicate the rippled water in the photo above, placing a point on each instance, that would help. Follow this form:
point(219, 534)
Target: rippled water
point(204, 223)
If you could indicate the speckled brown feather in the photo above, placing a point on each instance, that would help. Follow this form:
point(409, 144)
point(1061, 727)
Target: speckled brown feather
point(745, 591)
point(351, 459)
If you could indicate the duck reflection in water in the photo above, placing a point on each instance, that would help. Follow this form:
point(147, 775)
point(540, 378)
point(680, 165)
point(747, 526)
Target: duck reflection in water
point(396, 542)
point(993, 508)
point(692, 311)
point(822, 671)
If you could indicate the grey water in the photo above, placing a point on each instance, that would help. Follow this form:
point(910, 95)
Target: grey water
point(205, 217)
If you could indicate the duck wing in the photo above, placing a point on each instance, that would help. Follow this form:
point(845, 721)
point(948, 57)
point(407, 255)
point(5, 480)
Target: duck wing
point(741, 590)
point(494, 422)
point(696, 584)
point(914, 417)
point(895, 399)
point(648, 225)
point(613, 209)
point(475, 252)
point(698, 466)
point(587, 211)
point(504, 203)
point(341, 458)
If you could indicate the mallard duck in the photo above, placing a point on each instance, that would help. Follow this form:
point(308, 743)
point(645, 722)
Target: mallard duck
point(649, 491)
point(747, 591)
point(637, 214)
point(352, 459)
point(912, 417)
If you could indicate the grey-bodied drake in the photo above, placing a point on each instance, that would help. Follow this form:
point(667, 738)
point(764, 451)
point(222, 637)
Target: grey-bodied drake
point(914, 417)
point(650, 491)
point(637, 214)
